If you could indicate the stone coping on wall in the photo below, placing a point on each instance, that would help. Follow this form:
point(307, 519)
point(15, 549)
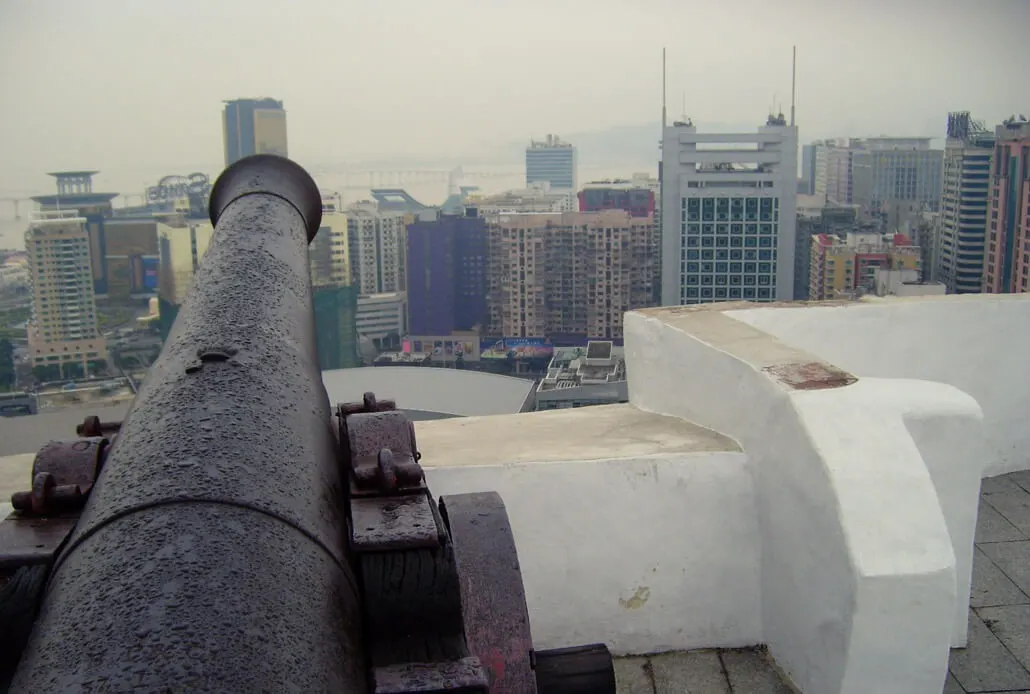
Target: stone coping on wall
point(588, 433)
point(793, 368)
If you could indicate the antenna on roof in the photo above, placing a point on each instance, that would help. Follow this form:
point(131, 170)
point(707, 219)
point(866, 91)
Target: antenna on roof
point(664, 121)
point(793, 83)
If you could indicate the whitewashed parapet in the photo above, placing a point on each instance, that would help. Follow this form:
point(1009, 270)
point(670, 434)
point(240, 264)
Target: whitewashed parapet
point(635, 529)
point(856, 557)
point(971, 341)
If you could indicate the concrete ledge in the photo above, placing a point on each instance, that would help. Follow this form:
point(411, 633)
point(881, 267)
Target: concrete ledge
point(648, 553)
point(595, 433)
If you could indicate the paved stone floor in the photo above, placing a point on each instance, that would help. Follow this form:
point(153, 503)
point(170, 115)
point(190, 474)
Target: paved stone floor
point(743, 671)
point(997, 658)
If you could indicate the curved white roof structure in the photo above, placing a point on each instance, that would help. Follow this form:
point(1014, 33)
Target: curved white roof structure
point(457, 393)
point(423, 392)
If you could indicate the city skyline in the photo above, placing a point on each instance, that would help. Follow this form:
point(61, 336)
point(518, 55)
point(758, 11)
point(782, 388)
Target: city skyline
point(844, 86)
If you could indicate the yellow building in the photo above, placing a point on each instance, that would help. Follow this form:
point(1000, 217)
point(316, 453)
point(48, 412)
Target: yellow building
point(64, 327)
point(253, 126)
point(328, 253)
point(182, 245)
point(842, 265)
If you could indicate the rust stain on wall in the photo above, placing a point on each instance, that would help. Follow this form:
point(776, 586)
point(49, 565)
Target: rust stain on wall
point(810, 376)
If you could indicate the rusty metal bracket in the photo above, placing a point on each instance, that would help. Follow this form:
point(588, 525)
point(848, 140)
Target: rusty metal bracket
point(63, 473)
point(393, 522)
point(380, 453)
point(92, 426)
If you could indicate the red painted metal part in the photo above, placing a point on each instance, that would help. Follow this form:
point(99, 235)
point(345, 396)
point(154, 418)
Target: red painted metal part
point(493, 598)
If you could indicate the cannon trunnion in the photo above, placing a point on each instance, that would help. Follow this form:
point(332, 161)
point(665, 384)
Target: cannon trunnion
point(234, 534)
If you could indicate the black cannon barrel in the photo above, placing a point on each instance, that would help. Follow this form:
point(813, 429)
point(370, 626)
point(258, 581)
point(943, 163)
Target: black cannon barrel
point(210, 556)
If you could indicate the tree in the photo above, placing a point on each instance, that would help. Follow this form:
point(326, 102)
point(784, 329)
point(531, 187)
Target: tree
point(73, 369)
point(97, 366)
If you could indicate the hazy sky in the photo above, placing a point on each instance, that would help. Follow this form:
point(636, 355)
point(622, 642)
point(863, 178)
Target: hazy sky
point(116, 84)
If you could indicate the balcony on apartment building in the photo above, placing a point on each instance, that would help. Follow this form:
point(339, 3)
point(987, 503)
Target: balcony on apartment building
point(791, 498)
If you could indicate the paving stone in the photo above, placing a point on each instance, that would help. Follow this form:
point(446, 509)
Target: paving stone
point(1013, 503)
point(951, 686)
point(1011, 624)
point(1001, 483)
point(1022, 478)
point(991, 587)
point(751, 673)
point(1013, 558)
point(693, 672)
point(991, 526)
point(985, 665)
point(633, 676)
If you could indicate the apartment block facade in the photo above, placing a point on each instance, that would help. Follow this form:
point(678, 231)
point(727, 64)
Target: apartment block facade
point(841, 265)
point(64, 326)
point(376, 247)
point(728, 214)
point(447, 268)
point(328, 254)
point(570, 275)
point(552, 161)
point(1008, 235)
point(960, 240)
point(885, 169)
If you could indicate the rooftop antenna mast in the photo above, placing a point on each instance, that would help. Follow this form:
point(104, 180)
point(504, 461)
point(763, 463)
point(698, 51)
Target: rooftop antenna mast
point(664, 120)
point(793, 83)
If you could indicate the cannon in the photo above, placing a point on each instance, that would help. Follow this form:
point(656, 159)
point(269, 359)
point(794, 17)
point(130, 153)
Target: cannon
point(236, 533)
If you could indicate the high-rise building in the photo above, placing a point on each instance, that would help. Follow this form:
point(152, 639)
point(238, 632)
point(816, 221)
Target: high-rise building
point(382, 319)
point(1008, 234)
point(376, 249)
point(253, 126)
point(841, 266)
point(130, 257)
point(568, 276)
point(328, 252)
point(538, 197)
point(958, 247)
point(728, 214)
point(808, 168)
point(829, 219)
point(553, 161)
point(182, 245)
point(636, 199)
point(336, 333)
point(63, 329)
point(447, 264)
point(75, 191)
point(896, 168)
point(835, 171)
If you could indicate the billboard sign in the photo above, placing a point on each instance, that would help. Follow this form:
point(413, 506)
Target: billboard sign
point(150, 272)
point(171, 188)
point(517, 348)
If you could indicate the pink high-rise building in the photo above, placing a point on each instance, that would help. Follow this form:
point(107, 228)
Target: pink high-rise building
point(1007, 266)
